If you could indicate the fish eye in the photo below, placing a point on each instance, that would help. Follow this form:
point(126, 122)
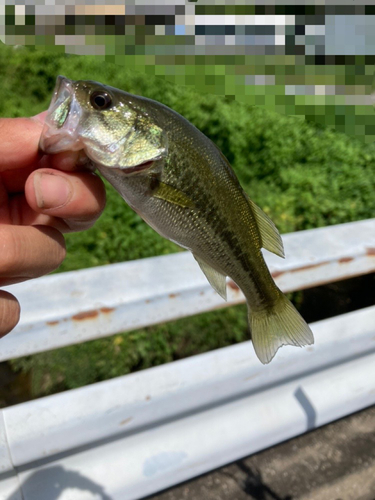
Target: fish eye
point(100, 100)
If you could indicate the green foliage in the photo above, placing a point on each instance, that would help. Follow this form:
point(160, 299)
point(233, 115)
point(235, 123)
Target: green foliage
point(300, 174)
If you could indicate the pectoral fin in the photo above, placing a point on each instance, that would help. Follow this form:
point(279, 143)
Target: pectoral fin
point(216, 279)
point(271, 239)
point(169, 193)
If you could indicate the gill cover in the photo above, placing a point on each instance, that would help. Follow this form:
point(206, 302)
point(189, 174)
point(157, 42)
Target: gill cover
point(123, 135)
point(141, 144)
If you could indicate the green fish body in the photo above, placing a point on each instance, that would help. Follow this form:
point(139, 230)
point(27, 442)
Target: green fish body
point(180, 183)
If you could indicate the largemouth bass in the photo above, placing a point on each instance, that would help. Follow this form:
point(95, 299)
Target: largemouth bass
point(180, 183)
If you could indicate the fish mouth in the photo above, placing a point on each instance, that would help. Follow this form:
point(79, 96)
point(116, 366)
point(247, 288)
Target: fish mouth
point(127, 171)
point(60, 131)
point(139, 168)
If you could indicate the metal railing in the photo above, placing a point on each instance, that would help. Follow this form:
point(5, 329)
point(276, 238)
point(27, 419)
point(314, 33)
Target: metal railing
point(128, 437)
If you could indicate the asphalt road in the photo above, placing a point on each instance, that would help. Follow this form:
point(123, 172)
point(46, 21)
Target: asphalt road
point(334, 462)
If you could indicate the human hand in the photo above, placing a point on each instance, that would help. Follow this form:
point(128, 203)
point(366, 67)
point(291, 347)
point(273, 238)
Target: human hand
point(41, 197)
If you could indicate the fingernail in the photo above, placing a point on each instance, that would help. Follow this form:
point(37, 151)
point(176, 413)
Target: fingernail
point(51, 191)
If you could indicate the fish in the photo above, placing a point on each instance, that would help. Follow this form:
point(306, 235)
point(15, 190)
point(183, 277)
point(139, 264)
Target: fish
point(182, 185)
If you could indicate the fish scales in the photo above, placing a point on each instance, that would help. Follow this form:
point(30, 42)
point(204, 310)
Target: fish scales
point(180, 183)
point(206, 178)
point(204, 230)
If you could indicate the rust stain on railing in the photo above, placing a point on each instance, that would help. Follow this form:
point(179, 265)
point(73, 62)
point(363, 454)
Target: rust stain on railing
point(344, 260)
point(85, 315)
point(308, 266)
point(93, 314)
point(369, 252)
point(276, 274)
point(107, 310)
point(233, 286)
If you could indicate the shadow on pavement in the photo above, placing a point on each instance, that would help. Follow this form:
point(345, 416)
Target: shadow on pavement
point(50, 482)
point(253, 484)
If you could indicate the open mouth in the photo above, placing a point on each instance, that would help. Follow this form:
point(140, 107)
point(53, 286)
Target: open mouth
point(60, 114)
point(60, 131)
point(61, 101)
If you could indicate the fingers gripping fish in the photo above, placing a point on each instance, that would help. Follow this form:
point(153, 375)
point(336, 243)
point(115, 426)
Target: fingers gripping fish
point(180, 183)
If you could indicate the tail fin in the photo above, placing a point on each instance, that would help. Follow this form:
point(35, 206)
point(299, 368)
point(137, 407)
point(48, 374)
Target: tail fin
point(277, 326)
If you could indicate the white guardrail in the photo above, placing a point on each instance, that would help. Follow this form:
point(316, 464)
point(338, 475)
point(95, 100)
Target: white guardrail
point(132, 436)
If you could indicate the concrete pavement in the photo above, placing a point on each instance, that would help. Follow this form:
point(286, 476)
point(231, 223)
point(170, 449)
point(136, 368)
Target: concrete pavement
point(334, 462)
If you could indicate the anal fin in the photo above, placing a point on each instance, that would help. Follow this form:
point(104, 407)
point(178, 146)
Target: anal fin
point(216, 279)
point(271, 239)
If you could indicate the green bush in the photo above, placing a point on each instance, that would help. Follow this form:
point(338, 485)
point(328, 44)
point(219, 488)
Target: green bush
point(300, 174)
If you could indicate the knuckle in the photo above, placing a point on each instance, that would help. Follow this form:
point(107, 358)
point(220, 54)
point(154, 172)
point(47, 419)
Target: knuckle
point(61, 254)
point(30, 251)
point(56, 246)
point(9, 313)
point(9, 249)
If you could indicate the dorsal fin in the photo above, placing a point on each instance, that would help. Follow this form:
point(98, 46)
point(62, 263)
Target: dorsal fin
point(271, 239)
point(216, 279)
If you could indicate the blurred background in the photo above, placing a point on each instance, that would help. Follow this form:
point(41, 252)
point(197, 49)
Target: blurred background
point(314, 61)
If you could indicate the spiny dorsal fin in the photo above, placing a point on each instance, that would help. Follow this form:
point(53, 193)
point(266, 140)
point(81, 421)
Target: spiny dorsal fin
point(271, 239)
point(216, 279)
